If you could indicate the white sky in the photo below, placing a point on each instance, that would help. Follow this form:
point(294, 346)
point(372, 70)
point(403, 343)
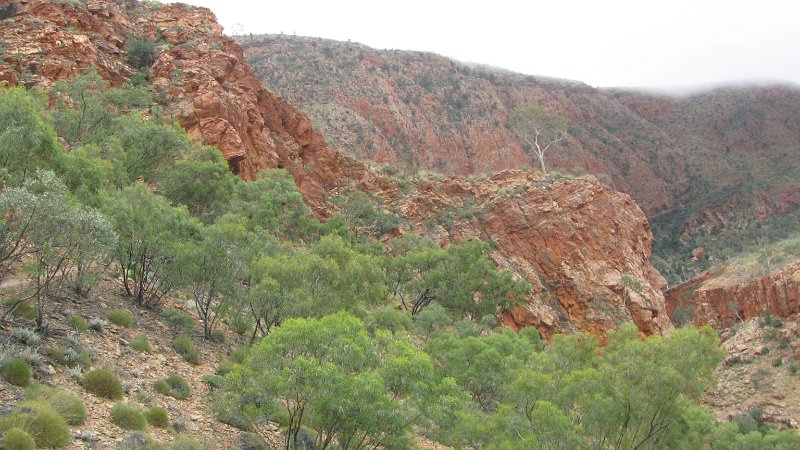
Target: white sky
point(634, 43)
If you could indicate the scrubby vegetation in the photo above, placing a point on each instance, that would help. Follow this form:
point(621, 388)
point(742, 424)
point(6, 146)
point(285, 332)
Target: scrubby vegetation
point(17, 439)
point(188, 351)
point(174, 386)
point(121, 318)
point(398, 337)
point(16, 371)
point(39, 420)
point(128, 417)
point(103, 383)
point(66, 403)
point(141, 344)
point(157, 417)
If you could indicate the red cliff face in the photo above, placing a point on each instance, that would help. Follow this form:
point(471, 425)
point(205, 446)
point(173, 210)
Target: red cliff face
point(584, 248)
point(202, 79)
point(575, 241)
point(722, 302)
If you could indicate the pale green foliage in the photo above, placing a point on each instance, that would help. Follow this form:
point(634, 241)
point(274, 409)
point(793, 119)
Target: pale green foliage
point(17, 439)
point(66, 403)
point(333, 276)
point(420, 273)
point(322, 370)
point(213, 268)
point(484, 366)
point(65, 243)
point(274, 204)
point(632, 393)
point(538, 130)
point(150, 232)
point(181, 323)
point(144, 147)
point(361, 213)
point(41, 421)
point(202, 182)
point(27, 137)
point(85, 109)
point(128, 417)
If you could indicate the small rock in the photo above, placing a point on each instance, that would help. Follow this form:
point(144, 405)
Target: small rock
point(196, 417)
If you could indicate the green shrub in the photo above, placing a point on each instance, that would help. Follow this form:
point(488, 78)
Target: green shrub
point(41, 421)
point(239, 354)
point(180, 322)
point(120, 317)
point(214, 381)
point(57, 355)
point(174, 386)
point(66, 403)
point(157, 417)
point(137, 441)
point(17, 439)
point(184, 346)
point(23, 310)
point(78, 324)
point(103, 383)
point(141, 53)
point(184, 442)
point(141, 344)
point(27, 336)
point(252, 441)
point(128, 417)
point(218, 336)
point(17, 372)
point(225, 367)
point(392, 319)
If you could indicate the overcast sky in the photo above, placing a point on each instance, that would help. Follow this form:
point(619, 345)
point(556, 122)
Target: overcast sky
point(632, 43)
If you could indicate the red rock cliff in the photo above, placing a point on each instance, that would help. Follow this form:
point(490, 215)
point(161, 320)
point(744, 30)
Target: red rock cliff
point(721, 302)
point(574, 241)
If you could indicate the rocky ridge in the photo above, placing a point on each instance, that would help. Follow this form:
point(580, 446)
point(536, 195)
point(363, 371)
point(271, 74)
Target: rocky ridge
point(576, 241)
point(701, 166)
point(573, 240)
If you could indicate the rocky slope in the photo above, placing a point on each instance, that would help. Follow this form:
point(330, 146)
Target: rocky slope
point(573, 240)
point(109, 347)
point(720, 300)
point(576, 241)
point(702, 167)
point(760, 373)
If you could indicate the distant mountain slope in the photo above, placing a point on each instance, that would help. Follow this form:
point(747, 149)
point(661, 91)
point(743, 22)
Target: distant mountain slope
point(424, 111)
point(719, 164)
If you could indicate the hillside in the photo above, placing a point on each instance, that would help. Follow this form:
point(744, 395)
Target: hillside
point(702, 167)
point(203, 81)
point(186, 263)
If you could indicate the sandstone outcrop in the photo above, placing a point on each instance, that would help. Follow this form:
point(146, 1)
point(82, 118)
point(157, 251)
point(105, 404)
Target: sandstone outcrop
point(722, 301)
point(584, 247)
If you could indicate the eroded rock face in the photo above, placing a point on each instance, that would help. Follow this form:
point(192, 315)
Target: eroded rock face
point(575, 241)
point(201, 78)
point(721, 301)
